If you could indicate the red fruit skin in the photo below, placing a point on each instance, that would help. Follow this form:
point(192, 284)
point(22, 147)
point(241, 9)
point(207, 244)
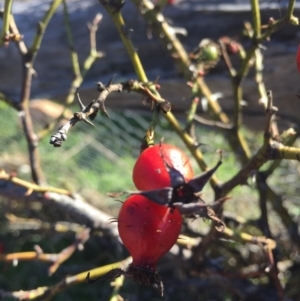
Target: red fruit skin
point(147, 230)
point(149, 171)
point(298, 59)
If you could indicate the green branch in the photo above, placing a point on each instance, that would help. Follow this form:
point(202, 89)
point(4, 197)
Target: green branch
point(4, 38)
point(74, 55)
point(189, 142)
point(256, 18)
point(42, 28)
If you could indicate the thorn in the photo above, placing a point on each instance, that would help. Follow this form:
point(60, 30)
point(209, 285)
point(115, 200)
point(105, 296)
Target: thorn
point(103, 109)
point(88, 122)
point(111, 80)
point(81, 105)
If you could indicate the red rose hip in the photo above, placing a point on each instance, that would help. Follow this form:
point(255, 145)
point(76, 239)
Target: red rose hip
point(147, 230)
point(150, 173)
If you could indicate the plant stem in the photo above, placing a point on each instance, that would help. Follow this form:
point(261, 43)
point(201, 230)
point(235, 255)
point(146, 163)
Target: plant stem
point(6, 20)
point(120, 25)
point(189, 142)
point(28, 60)
point(256, 23)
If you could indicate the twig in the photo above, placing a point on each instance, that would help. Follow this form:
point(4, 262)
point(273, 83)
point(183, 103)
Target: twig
point(79, 75)
point(274, 25)
point(271, 150)
point(74, 55)
point(117, 284)
point(223, 41)
point(287, 138)
point(24, 113)
point(5, 37)
point(272, 270)
point(270, 112)
point(31, 187)
point(217, 124)
point(277, 205)
point(245, 237)
point(80, 211)
point(164, 30)
point(19, 40)
point(263, 196)
point(147, 8)
point(56, 259)
point(189, 127)
point(67, 252)
point(48, 292)
point(91, 110)
point(15, 223)
point(256, 19)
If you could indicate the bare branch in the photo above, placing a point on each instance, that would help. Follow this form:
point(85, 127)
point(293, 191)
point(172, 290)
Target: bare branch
point(92, 109)
point(217, 124)
point(48, 292)
point(56, 259)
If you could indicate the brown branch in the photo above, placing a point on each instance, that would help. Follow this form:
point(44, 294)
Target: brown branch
point(80, 211)
point(263, 196)
point(67, 252)
point(277, 205)
point(272, 270)
point(223, 42)
point(23, 106)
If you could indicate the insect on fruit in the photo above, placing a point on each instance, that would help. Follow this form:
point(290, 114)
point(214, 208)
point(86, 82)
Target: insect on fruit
point(149, 171)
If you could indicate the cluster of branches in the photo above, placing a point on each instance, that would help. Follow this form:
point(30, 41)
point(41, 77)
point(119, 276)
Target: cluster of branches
point(275, 147)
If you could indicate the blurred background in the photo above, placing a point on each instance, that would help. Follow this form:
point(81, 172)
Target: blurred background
point(95, 161)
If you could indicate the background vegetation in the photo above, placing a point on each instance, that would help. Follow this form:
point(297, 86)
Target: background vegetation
point(54, 201)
